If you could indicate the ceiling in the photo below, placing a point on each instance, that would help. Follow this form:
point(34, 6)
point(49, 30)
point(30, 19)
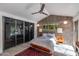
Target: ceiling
point(65, 9)
point(25, 9)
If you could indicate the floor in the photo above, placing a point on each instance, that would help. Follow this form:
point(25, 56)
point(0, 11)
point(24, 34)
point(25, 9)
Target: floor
point(14, 50)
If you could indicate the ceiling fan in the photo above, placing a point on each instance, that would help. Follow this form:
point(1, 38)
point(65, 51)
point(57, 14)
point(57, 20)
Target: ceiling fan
point(41, 10)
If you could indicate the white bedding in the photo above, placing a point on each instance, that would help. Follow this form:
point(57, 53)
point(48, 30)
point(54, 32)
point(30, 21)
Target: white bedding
point(43, 41)
point(64, 49)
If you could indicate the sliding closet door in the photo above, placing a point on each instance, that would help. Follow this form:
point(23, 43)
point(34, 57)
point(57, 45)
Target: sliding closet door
point(9, 32)
point(19, 32)
point(27, 31)
point(31, 30)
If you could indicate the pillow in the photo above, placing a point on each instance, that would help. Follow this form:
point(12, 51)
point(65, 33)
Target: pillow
point(60, 39)
point(40, 48)
point(44, 34)
point(50, 34)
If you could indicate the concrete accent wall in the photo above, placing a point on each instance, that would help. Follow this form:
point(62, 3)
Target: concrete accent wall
point(67, 29)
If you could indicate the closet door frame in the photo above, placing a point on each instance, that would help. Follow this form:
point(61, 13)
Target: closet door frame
point(3, 21)
point(23, 32)
point(15, 31)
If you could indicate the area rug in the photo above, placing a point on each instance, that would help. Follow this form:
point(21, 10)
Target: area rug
point(32, 52)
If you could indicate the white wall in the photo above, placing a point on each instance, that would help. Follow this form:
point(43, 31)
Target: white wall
point(1, 35)
point(76, 18)
point(35, 36)
point(15, 17)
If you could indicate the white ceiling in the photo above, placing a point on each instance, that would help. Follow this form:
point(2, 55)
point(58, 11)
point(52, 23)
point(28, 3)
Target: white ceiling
point(25, 9)
point(65, 9)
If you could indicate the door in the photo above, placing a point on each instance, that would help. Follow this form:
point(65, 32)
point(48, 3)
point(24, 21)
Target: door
point(19, 31)
point(31, 30)
point(9, 32)
point(27, 31)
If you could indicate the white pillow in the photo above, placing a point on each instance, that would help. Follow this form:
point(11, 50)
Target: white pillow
point(44, 34)
point(50, 34)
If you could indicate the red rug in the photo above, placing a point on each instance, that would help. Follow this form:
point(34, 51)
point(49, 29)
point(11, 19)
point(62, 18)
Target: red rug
point(32, 52)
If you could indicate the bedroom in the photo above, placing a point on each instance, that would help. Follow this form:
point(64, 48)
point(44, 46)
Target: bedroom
point(42, 26)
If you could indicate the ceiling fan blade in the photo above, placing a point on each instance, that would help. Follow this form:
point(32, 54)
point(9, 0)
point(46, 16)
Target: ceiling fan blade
point(35, 13)
point(42, 7)
point(44, 13)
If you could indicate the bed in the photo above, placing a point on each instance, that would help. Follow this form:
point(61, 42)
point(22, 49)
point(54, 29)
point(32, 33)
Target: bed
point(43, 41)
point(49, 42)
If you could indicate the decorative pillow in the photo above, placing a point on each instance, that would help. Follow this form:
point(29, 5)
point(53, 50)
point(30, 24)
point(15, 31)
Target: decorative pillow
point(60, 39)
point(40, 48)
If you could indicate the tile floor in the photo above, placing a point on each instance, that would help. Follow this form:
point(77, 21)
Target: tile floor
point(14, 50)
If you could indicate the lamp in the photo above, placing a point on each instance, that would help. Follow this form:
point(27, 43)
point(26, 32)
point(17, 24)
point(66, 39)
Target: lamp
point(60, 37)
point(40, 29)
point(59, 30)
point(38, 25)
point(65, 22)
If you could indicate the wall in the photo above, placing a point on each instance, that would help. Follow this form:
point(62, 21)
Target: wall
point(1, 37)
point(75, 19)
point(67, 29)
point(1, 26)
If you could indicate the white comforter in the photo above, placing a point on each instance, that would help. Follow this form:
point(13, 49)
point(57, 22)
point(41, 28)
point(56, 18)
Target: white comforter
point(63, 48)
point(43, 41)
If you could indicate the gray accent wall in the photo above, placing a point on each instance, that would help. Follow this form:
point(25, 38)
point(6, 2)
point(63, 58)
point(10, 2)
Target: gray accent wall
point(67, 28)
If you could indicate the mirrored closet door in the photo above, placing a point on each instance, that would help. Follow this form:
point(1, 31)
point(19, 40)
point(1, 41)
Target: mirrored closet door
point(17, 32)
point(31, 30)
point(9, 36)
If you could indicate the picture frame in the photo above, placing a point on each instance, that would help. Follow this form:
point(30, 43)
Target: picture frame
point(50, 27)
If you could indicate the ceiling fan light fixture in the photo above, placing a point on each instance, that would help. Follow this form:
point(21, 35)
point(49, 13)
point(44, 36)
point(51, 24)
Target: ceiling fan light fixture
point(65, 22)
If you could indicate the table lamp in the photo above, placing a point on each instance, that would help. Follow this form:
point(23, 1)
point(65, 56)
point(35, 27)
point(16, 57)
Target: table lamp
point(59, 36)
